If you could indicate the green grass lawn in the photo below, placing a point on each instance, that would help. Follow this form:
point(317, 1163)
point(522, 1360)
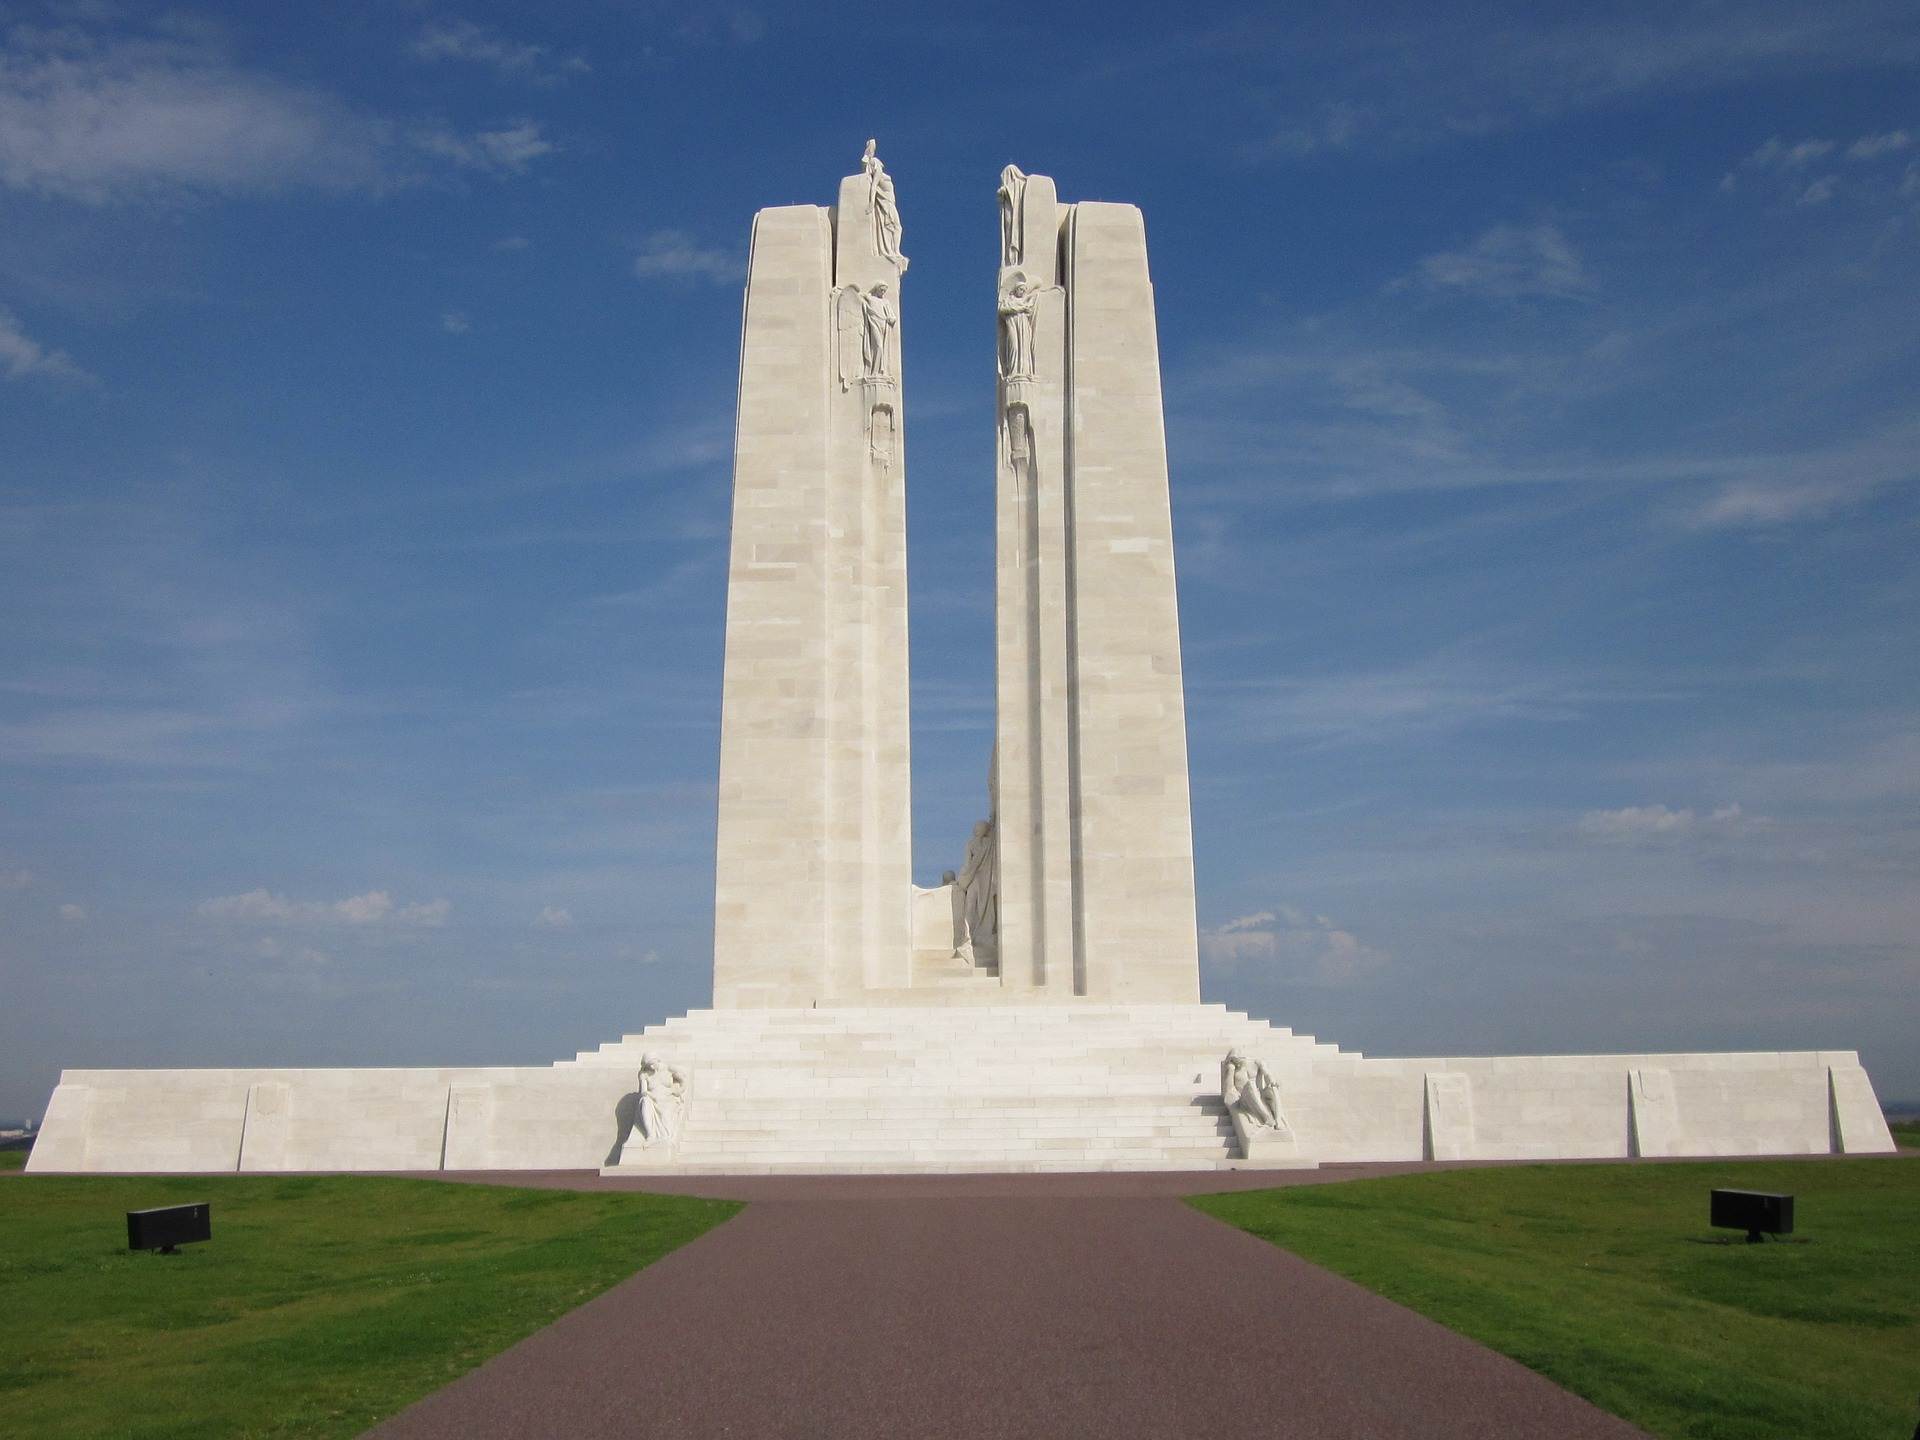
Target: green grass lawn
point(12, 1159)
point(1606, 1279)
point(322, 1304)
point(1906, 1134)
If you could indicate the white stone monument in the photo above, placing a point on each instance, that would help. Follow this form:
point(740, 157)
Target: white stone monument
point(814, 876)
point(1091, 813)
point(1039, 1010)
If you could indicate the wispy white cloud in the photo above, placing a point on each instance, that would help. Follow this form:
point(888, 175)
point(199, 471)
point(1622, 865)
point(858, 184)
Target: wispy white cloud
point(73, 914)
point(455, 322)
point(1509, 262)
point(1371, 424)
point(273, 948)
point(1756, 503)
point(676, 255)
point(21, 354)
point(1382, 706)
point(1771, 490)
point(1656, 824)
point(1790, 163)
point(1308, 947)
point(1818, 192)
point(1872, 768)
point(1776, 154)
point(1872, 147)
point(552, 918)
point(1374, 396)
point(1340, 125)
point(1430, 79)
point(1249, 936)
point(376, 907)
point(127, 118)
point(142, 735)
point(711, 22)
point(1793, 165)
point(507, 151)
point(104, 121)
point(462, 40)
point(136, 642)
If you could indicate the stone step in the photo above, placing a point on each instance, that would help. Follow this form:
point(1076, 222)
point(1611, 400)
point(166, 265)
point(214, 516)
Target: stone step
point(736, 1138)
point(964, 1025)
point(705, 1157)
point(987, 1087)
point(1037, 1117)
point(1033, 1049)
point(840, 1166)
point(930, 968)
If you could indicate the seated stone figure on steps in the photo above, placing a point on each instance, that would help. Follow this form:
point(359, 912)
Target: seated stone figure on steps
point(1250, 1092)
point(663, 1103)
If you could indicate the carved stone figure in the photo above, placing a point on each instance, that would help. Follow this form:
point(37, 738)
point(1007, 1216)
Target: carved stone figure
point(1013, 215)
point(1019, 300)
point(849, 323)
point(880, 434)
point(1020, 446)
point(1250, 1091)
point(663, 1104)
point(879, 319)
point(962, 936)
point(883, 208)
point(980, 883)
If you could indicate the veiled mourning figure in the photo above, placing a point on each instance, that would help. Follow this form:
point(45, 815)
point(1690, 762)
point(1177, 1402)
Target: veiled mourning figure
point(663, 1103)
point(979, 882)
point(1250, 1091)
point(878, 320)
point(883, 208)
point(1013, 215)
point(1018, 302)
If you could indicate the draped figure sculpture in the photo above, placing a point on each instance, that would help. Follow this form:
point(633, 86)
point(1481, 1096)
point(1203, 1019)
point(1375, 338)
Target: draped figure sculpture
point(962, 936)
point(884, 209)
point(1250, 1092)
point(1019, 300)
point(1013, 216)
point(979, 882)
point(878, 320)
point(662, 1105)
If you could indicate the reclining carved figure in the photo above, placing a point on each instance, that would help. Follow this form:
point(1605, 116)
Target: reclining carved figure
point(1250, 1091)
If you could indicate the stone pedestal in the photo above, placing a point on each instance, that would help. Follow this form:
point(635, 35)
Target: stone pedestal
point(1269, 1149)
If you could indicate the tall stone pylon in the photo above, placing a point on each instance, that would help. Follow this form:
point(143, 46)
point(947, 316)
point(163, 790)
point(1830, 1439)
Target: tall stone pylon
point(1092, 815)
point(813, 882)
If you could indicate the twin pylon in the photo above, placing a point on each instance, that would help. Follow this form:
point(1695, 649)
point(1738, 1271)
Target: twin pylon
point(1087, 890)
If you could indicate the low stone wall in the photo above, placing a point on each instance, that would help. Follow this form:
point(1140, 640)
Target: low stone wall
point(961, 1088)
point(536, 1118)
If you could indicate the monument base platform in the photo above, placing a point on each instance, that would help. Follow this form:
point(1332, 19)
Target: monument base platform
point(1007, 1088)
point(976, 1167)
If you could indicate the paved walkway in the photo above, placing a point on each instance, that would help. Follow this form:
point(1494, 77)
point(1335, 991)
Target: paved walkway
point(1054, 1307)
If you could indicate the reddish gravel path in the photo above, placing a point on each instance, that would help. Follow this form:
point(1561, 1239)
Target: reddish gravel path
point(992, 1306)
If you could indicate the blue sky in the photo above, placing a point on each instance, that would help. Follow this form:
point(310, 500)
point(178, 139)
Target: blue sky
point(1541, 405)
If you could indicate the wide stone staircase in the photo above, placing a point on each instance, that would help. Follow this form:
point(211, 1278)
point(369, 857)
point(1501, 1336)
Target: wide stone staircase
point(954, 1088)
